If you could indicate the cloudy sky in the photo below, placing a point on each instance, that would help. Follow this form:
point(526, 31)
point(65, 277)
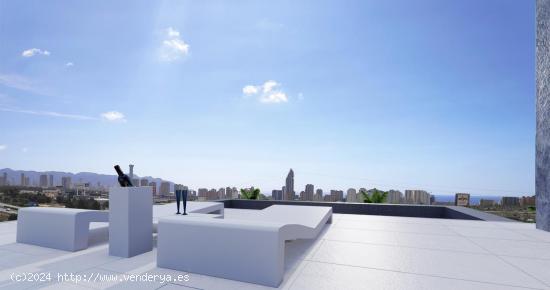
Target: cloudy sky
point(436, 95)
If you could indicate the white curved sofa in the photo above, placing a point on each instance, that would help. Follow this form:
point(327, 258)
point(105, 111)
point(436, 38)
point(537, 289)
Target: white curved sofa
point(68, 228)
point(59, 228)
point(249, 248)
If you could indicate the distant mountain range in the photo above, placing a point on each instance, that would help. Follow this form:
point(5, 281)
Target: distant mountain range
point(14, 177)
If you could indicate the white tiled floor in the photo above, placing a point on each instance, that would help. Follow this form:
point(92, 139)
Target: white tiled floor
point(354, 252)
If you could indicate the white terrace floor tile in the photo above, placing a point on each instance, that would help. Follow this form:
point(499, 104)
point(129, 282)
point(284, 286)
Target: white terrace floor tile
point(147, 285)
point(515, 225)
point(355, 252)
point(131, 264)
point(471, 223)
point(9, 259)
point(63, 286)
point(8, 238)
point(8, 224)
point(97, 278)
point(176, 287)
point(514, 248)
point(538, 268)
point(389, 219)
point(137, 286)
point(426, 241)
point(494, 233)
point(466, 266)
point(302, 249)
point(536, 235)
point(79, 263)
point(31, 249)
point(7, 284)
point(292, 270)
point(323, 276)
point(396, 227)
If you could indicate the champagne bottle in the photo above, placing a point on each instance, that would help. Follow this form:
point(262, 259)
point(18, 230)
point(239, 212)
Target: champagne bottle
point(123, 179)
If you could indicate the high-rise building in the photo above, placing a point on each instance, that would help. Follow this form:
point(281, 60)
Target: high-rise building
point(22, 182)
point(51, 180)
point(289, 186)
point(4, 179)
point(487, 202)
point(66, 182)
point(318, 195)
point(277, 194)
point(212, 194)
point(221, 193)
point(202, 193)
point(309, 192)
point(164, 188)
point(131, 175)
point(154, 186)
point(351, 195)
point(228, 193)
point(43, 180)
point(336, 195)
point(394, 196)
point(527, 201)
point(143, 182)
point(417, 196)
point(509, 201)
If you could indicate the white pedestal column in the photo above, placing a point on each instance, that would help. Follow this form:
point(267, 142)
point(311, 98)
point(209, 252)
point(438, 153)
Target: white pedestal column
point(130, 221)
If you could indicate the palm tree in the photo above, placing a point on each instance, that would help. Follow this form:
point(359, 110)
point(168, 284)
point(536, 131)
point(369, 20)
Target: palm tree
point(377, 196)
point(252, 193)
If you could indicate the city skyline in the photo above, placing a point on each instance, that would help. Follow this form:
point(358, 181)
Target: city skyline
point(399, 95)
point(310, 190)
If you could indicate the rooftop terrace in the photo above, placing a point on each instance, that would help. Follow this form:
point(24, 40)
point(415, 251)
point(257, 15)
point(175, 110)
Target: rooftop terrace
point(354, 252)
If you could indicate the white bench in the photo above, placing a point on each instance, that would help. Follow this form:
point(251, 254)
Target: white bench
point(59, 228)
point(68, 228)
point(248, 248)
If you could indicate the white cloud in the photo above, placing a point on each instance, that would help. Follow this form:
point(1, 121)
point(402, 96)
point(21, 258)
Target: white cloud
point(49, 114)
point(34, 51)
point(172, 32)
point(3, 147)
point(300, 96)
point(69, 64)
point(173, 47)
point(275, 97)
point(269, 92)
point(22, 83)
point(113, 116)
point(250, 90)
point(269, 86)
point(24, 149)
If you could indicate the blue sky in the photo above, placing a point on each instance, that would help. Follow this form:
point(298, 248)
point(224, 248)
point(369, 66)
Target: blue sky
point(436, 95)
